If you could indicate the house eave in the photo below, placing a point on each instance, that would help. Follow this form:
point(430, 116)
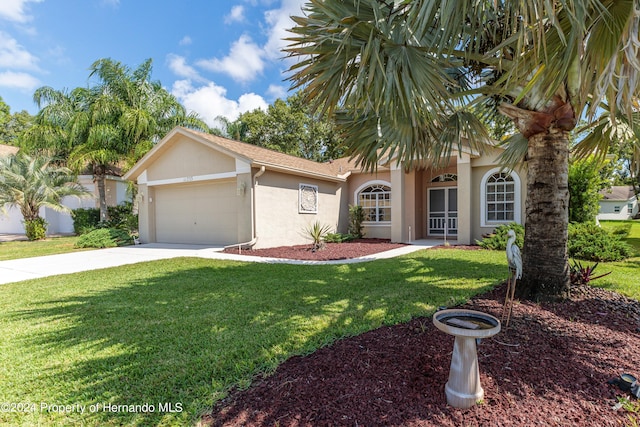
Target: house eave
point(300, 172)
point(387, 159)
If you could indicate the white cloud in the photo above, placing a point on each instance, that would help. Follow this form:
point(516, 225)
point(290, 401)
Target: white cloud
point(13, 55)
point(210, 101)
point(179, 66)
point(14, 10)
point(279, 21)
point(236, 15)
point(18, 80)
point(113, 3)
point(277, 91)
point(250, 102)
point(244, 62)
point(185, 41)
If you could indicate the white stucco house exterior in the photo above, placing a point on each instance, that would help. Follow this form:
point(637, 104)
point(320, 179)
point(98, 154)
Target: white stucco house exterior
point(199, 188)
point(11, 222)
point(618, 203)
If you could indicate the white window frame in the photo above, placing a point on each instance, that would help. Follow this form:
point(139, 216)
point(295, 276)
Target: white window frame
point(303, 208)
point(356, 198)
point(445, 177)
point(517, 190)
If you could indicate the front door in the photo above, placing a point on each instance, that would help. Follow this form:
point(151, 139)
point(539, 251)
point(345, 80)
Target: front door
point(443, 212)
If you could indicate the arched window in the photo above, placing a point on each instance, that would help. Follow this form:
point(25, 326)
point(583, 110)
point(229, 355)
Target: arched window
point(500, 198)
point(375, 200)
point(446, 177)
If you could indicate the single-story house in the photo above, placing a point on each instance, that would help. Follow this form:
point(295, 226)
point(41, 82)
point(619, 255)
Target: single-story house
point(198, 188)
point(11, 222)
point(618, 203)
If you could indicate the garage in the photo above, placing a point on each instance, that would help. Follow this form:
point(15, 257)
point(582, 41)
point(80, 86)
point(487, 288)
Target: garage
point(196, 213)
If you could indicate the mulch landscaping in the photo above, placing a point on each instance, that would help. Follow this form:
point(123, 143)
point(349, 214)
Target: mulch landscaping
point(331, 251)
point(550, 367)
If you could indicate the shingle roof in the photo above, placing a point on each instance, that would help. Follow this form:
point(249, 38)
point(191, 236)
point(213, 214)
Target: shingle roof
point(260, 156)
point(336, 170)
point(618, 192)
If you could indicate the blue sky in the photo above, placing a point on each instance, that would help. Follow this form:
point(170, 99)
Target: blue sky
point(218, 57)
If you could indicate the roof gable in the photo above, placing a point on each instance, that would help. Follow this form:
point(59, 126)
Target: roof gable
point(618, 193)
point(256, 156)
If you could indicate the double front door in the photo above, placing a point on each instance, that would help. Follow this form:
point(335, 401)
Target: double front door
point(443, 212)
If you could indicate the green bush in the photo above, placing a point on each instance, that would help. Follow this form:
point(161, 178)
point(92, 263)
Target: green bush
point(85, 220)
point(498, 239)
point(104, 238)
point(317, 232)
point(356, 218)
point(338, 237)
point(121, 217)
point(592, 243)
point(585, 183)
point(36, 229)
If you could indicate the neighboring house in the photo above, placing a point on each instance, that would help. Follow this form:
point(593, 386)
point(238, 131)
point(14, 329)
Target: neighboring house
point(199, 188)
point(61, 222)
point(618, 203)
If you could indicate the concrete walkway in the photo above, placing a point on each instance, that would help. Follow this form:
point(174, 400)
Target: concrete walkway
point(51, 265)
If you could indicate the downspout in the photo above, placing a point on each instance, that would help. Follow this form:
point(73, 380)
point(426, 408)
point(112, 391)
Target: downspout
point(254, 235)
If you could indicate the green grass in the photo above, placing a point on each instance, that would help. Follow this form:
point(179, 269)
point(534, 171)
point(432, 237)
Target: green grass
point(185, 331)
point(27, 249)
point(625, 275)
point(631, 227)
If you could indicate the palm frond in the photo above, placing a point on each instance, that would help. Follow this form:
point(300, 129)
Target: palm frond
point(515, 152)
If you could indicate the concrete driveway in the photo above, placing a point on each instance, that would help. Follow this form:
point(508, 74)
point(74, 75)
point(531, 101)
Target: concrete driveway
point(74, 262)
point(51, 265)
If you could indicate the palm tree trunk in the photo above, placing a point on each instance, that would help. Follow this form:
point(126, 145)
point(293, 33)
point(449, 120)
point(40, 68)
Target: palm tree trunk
point(99, 174)
point(545, 260)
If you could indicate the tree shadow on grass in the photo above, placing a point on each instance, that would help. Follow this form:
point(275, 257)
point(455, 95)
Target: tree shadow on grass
point(178, 335)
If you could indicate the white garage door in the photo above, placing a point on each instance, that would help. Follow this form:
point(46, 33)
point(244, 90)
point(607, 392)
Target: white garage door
point(202, 213)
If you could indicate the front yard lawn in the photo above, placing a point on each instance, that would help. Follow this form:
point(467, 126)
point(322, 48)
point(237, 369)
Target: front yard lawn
point(176, 335)
point(27, 249)
point(183, 332)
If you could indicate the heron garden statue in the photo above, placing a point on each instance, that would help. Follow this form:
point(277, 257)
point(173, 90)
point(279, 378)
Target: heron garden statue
point(514, 259)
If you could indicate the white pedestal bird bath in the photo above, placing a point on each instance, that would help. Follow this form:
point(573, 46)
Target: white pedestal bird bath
point(463, 389)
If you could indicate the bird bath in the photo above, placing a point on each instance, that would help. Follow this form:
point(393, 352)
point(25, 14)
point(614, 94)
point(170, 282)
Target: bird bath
point(463, 389)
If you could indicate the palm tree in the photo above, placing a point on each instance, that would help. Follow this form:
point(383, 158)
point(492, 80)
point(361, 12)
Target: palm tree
point(30, 183)
point(410, 76)
point(109, 125)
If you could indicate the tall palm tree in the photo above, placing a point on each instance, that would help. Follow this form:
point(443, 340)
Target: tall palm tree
point(407, 75)
point(110, 124)
point(30, 183)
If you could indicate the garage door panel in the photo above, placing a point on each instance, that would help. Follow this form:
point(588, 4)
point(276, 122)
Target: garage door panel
point(203, 213)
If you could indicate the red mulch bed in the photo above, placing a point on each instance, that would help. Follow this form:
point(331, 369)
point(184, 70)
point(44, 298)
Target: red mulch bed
point(549, 368)
point(332, 251)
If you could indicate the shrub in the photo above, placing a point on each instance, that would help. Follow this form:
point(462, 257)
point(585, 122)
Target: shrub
point(317, 232)
point(85, 220)
point(121, 217)
point(592, 243)
point(585, 182)
point(356, 218)
point(35, 229)
point(582, 275)
point(338, 237)
point(104, 238)
point(498, 239)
